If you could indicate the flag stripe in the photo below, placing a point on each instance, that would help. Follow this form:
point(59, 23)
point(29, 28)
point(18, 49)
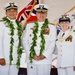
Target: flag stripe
point(28, 12)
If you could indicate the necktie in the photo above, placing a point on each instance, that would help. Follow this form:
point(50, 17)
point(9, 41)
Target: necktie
point(63, 34)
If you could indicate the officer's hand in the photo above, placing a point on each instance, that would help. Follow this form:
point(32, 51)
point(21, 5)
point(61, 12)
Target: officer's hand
point(2, 61)
point(35, 57)
point(42, 57)
point(74, 68)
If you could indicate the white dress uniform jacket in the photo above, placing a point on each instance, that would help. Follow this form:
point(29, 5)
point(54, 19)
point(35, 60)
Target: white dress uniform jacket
point(49, 45)
point(5, 42)
point(66, 50)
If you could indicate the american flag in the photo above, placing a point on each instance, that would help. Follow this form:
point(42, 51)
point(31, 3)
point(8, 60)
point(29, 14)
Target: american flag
point(27, 14)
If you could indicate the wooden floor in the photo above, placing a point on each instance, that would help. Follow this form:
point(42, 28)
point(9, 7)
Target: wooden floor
point(23, 71)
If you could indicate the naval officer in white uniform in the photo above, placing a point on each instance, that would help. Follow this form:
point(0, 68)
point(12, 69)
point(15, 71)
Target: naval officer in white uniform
point(10, 41)
point(65, 45)
point(39, 41)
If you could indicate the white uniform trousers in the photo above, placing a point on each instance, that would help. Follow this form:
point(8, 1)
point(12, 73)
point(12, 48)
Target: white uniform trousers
point(8, 70)
point(38, 69)
point(66, 71)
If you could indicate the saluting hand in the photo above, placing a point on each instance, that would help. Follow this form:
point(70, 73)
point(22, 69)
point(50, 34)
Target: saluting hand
point(2, 61)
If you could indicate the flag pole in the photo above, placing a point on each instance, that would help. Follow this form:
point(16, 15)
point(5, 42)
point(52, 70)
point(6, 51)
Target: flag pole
point(29, 14)
point(70, 10)
point(66, 13)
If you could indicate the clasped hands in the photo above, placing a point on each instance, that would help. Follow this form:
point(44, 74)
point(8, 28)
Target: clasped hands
point(40, 57)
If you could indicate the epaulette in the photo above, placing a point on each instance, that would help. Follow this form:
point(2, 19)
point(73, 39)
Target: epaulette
point(51, 23)
point(1, 20)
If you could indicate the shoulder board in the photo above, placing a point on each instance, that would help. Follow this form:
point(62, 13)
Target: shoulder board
point(52, 23)
point(1, 20)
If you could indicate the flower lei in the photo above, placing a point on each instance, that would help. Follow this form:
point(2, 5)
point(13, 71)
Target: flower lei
point(19, 49)
point(42, 45)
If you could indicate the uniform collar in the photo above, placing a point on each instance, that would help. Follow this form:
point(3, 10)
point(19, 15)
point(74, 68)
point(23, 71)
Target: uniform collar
point(40, 23)
point(11, 19)
point(66, 32)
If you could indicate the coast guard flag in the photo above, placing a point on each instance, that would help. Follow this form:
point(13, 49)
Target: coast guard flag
point(27, 14)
